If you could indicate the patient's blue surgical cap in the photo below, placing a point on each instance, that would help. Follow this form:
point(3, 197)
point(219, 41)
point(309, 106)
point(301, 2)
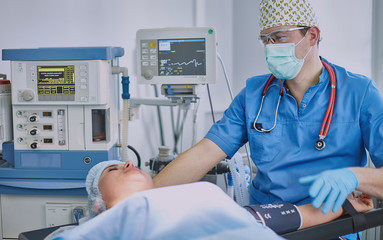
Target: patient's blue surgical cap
point(95, 203)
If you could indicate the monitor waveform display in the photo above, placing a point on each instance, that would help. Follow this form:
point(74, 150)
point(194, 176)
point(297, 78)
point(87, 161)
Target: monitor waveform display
point(182, 57)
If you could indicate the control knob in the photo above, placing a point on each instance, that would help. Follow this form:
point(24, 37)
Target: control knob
point(34, 145)
point(148, 74)
point(27, 95)
point(32, 118)
point(34, 131)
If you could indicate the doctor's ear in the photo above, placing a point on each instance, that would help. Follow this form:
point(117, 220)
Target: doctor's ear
point(314, 35)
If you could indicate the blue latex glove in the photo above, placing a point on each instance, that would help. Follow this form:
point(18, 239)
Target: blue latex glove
point(331, 188)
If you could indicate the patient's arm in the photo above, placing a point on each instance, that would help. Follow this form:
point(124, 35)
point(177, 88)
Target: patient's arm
point(313, 216)
point(286, 217)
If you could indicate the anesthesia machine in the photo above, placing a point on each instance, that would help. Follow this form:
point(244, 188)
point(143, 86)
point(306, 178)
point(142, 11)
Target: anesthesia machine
point(65, 113)
point(65, 106)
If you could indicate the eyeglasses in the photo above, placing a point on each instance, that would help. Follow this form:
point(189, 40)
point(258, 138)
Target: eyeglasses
point(278, 36)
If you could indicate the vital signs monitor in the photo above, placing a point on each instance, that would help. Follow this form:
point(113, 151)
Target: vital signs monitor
point(176, 55)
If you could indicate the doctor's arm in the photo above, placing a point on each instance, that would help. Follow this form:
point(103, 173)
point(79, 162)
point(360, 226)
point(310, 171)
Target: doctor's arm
point(370, 180)
point(371, 122)
point(332, 186)
point(191, 165)
point(313, 216)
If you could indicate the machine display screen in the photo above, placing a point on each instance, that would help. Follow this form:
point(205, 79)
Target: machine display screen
point(181, 57)
point(55, 80)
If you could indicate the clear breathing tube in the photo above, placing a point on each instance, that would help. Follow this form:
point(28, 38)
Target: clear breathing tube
point(124, 131)
point(240, 181)
point(125, 110)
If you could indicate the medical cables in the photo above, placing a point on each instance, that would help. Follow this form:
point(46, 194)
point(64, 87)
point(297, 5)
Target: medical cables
point(226, 77)
point(196, 106)
point(232, 98)
point(178, 127)
point(159, 117)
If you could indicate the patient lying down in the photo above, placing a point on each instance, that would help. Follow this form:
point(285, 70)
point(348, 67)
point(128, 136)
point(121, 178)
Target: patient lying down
point(190, 211)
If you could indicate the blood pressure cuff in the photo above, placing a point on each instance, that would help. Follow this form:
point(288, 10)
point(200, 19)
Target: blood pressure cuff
point(280, 217)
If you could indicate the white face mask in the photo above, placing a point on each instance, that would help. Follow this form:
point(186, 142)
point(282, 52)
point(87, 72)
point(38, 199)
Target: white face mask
point(281, 60)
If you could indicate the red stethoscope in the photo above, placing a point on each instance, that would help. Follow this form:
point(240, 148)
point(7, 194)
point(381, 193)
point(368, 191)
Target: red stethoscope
point(320, 144)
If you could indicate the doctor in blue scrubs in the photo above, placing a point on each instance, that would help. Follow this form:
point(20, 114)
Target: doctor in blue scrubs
point(308, 134)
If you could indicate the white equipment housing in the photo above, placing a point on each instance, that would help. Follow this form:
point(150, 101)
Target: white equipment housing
point(47, 120)
point(176, 55)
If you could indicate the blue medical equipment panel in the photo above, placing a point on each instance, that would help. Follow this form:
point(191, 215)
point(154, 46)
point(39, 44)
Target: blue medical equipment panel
point(62, 54)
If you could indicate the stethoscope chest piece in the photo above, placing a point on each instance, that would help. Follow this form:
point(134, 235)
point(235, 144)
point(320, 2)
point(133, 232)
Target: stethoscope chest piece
point(320, 144)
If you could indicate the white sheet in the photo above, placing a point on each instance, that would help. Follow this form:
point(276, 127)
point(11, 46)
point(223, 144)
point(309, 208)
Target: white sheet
point(191, 211)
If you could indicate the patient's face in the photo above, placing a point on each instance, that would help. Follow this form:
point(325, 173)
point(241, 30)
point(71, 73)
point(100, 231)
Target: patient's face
point(120, 181)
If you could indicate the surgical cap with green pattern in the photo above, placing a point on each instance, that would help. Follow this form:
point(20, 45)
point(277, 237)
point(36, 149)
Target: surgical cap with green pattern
point(275, 13)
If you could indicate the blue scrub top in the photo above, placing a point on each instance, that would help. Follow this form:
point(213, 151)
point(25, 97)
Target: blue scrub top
point(288, 152)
